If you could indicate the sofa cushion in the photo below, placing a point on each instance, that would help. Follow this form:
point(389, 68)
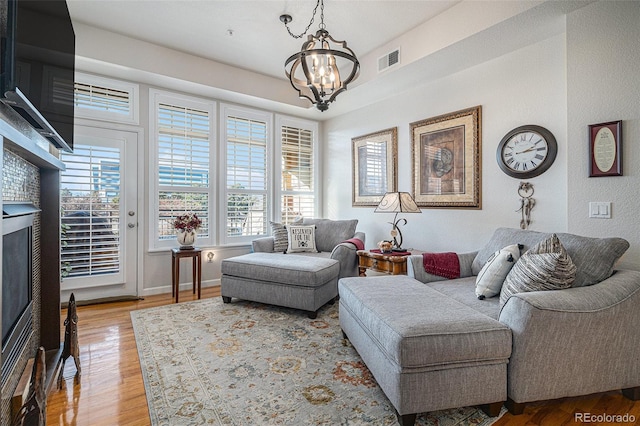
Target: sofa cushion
point(462, 290)
point(546, 266)
point(594, 258)
point(301, 239)
point(418, 327)
point(493, 273)
point(330, 233)
point(503, 237)
point(292, 269)
point(280, 238)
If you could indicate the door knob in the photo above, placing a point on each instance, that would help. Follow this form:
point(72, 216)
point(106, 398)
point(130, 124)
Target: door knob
point(131, 225)
point(132, 213)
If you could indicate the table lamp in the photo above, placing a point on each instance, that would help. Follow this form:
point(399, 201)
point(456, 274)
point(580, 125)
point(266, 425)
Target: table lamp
point(397, 202)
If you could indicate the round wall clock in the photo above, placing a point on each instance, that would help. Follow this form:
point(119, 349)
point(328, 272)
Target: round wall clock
point(526, 151)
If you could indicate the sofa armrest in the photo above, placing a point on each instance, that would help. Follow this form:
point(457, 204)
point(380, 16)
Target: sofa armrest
point(345, 254)
point(264, 245)
point(585, 338)
point(415, 267)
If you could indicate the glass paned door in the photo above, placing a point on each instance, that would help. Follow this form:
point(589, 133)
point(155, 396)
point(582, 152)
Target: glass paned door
point(99, 214)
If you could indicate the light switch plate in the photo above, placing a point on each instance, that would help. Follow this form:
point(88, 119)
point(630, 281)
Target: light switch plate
point(600, 209)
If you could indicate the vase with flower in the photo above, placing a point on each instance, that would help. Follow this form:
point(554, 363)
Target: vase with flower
point(186, 227)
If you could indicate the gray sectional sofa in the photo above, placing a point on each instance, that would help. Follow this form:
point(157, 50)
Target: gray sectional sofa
point(432, 344)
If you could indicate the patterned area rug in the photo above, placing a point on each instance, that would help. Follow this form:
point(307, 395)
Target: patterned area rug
point(243, 363)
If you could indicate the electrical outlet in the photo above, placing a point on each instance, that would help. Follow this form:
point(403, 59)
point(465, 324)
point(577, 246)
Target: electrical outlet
point(210, 257)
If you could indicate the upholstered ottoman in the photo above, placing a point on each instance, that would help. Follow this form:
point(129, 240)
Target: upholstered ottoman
point(427, 351)
point(294, 281)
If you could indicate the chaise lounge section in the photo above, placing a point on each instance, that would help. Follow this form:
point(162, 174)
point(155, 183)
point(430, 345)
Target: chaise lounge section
point(306, 280)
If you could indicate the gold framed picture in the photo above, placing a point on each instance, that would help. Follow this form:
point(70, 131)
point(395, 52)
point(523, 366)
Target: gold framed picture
point(375, 162)
point(446, 165)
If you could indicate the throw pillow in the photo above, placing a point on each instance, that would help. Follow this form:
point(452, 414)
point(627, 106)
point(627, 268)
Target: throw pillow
point(546, 266)
point(493, 273)
point(301, 239)
point(280, 237)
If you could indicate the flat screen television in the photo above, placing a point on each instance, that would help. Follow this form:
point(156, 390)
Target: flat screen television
point(38, 65)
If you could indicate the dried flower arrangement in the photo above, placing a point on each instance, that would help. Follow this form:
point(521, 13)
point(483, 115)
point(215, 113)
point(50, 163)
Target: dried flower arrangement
point(187, 222)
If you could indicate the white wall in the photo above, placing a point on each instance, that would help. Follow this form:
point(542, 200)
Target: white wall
point(603, 74)
point(523, 87)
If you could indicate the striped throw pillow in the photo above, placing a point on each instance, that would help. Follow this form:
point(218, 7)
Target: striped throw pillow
point(546, 266)
point(280, 238)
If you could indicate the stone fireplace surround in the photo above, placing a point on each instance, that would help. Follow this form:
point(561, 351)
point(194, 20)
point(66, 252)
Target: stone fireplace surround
point(31, 174)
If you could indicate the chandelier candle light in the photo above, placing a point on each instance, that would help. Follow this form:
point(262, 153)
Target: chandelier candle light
point(186, 227)
point(315, 71)
point(397, 202)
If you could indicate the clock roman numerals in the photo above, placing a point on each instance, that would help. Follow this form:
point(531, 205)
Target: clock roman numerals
point(526, 151)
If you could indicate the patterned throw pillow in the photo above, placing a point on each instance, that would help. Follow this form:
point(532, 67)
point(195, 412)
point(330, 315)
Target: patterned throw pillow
point(301, 239)
point(546, 266)
point(280, 238)
point(493, 273)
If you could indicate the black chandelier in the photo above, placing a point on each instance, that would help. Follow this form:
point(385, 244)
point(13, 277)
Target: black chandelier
point(315, 71)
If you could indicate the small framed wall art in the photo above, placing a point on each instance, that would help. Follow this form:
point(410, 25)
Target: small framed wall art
point(605, 149)
point(375, 162)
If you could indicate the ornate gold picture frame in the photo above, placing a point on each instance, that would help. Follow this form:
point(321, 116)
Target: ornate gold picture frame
point(375, 163)
point(447, 157)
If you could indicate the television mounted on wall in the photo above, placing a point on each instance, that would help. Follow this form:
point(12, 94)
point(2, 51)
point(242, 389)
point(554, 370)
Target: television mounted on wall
point(37, 66)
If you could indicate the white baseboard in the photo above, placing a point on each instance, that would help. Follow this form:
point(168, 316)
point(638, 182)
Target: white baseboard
point(183, 286)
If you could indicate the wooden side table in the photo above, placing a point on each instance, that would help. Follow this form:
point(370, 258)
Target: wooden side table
point(176, 255)
point(387, 263)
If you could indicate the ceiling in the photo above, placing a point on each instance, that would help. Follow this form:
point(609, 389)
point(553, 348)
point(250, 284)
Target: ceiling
point(248, 34)
point(436, 38)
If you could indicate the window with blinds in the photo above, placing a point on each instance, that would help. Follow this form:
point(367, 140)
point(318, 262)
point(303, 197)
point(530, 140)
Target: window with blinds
point(183, 158)
point(90, 211)
point(298, 174)
point(246, 175)
point(105, 99)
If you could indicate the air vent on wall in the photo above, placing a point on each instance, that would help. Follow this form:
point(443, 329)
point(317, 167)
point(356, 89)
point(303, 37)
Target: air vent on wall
point(389, 60)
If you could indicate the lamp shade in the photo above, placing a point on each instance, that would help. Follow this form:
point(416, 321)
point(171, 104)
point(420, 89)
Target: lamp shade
point(397, 202)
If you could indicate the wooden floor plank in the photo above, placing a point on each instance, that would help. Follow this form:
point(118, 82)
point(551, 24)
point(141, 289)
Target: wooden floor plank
point(111, 390)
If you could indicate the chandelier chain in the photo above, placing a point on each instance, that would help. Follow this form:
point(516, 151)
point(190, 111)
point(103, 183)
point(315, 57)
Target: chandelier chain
point(322, 25)
point(313, 17)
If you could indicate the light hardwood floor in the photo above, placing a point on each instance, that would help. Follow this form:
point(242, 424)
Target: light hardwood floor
point(111, 391)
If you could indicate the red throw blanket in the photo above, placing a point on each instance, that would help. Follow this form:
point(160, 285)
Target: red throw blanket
point(442, 264)
point(356, 242)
